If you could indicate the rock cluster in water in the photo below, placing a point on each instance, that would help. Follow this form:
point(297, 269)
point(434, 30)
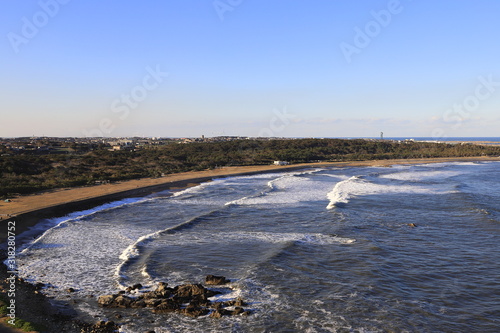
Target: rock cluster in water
point(100, 327)
point(188, 299)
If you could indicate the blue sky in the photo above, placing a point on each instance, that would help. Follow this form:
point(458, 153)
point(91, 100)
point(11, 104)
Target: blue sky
point(291, 68)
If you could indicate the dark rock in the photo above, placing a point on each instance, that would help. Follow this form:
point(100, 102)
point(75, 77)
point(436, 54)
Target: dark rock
point(166, 306)
point(211, 293)
point(413, 225)
point(136, 286)
point(162, 291)
point(70, 290)
point(216, 314)
point(193, 311)
point(189, 290)
point(152, 302)
point(102, 327)
point(106, 300)
point(200, 300)
point(161, 286)
point(138, 304)
point(217, 305)
point(219, 313)
point(123, 301)
point(237, 310)
point(188, 299)
point(215, 280)
point(228, 303)
point(239, 302)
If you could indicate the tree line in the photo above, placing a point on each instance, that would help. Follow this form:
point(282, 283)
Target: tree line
point(25, 173)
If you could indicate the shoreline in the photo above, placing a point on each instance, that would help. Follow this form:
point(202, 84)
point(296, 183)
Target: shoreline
point(28, 210)
point(35, 307)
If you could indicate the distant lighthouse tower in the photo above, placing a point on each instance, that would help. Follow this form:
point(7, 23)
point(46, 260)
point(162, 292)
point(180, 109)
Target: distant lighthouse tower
point(381, 135)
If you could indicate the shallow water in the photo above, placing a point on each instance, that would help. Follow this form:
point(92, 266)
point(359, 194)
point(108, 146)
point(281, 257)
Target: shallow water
point(328, 250)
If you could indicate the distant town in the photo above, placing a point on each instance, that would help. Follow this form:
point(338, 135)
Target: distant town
point(55, 145)
point(33, 164)
point(36, 145)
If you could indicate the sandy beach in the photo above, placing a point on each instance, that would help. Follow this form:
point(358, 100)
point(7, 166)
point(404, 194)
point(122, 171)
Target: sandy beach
point(28, 210)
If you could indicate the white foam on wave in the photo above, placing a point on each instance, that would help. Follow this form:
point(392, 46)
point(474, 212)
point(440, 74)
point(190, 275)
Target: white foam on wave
point(277, 182)
point(447, 164)
point(220, 189)
point(75, 256)
point(132, 252)
point(74, 245)
point(270, 185)
point(241, 201)
point(290, 189)
point(182, 239)
point(341, 193)
point(224, 181)
point(266, 237)
point(421, 175)
point(219, 192)
point(198, 188)
point(49, 225)
point(309, 238)
point(345, 190)
point(196, 195)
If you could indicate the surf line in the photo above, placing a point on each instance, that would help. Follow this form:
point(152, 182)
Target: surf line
point(133, 251)
point(340, 195)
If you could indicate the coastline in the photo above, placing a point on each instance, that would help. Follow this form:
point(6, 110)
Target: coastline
point(28, 210)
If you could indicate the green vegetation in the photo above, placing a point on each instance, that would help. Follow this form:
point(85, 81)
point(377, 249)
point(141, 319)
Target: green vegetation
point(25, 325)
point(18, 322)
point(28, 173)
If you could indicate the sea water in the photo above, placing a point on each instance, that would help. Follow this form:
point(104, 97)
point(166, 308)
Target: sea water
point(407, 248)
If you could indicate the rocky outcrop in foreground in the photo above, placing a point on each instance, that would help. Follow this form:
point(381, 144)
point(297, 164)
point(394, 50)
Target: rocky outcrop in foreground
point(188, 299)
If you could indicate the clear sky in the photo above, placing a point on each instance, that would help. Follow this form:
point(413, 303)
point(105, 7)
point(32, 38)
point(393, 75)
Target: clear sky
point(184, 68)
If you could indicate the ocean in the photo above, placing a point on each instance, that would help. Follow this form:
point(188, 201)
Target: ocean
point(407, 248)
point(441, 139)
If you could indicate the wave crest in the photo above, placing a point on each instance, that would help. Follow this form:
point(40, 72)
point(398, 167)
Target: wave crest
point(340, 195)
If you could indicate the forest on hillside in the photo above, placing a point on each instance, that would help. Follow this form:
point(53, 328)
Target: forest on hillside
point(26, 173)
